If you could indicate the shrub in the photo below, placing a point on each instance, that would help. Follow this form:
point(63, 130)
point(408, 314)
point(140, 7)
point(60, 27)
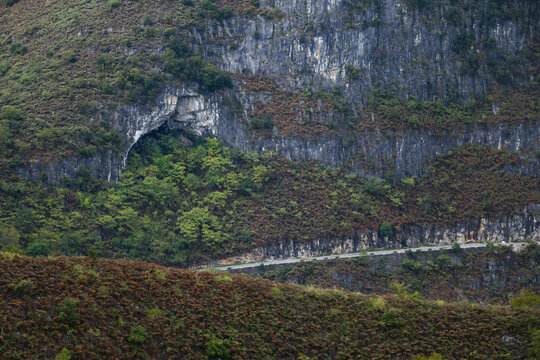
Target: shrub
point(265, 124)
point(114, 4)
point(414, 121)
point(65, 354)
point(223, 279)
point(213, 79)
point(386, 229)
point(453, 16)
point(69, 57)
point(12, 249)
point(8, 3)
point(392, 319)
point(4, 67)
point(147, 21)
point(10, 113)
point(68, 312)
point(23, 288)
point(153, 313)
point(534, 348)
point(443, 261)
point(352, 72)
point(377, 303)
point(19, 49)
point(462, 44)
point(528, 299)
point(218, 349)
point(433, 356)
point(411, 265)
point(138, 335)
point(38, 248)
point(9, 236)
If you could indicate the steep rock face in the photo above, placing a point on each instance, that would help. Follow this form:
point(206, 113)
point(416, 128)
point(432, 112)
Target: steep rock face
point(393, 45)
point(512, 228)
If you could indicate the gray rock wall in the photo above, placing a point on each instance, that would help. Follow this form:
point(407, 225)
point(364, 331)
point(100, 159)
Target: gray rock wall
point(392, 45)
point(512, 228)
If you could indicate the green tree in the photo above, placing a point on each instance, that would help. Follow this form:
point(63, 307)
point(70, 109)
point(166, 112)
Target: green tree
point(534, 349)
point(9, 236)
point(198, 225)
point(528, 299)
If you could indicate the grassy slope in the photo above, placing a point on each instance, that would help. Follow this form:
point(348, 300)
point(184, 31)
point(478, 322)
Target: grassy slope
point(193, 315)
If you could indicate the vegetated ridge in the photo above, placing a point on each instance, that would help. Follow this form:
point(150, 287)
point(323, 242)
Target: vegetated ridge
point(88, 308)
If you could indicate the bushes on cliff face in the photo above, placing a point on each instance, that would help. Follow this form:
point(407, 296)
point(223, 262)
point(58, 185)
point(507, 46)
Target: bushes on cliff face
point(183, 62)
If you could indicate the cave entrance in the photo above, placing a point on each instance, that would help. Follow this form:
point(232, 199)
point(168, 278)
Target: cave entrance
point(159, 142)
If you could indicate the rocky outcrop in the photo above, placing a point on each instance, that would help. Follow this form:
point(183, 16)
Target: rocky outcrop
point(392, 44)
point(513, 228)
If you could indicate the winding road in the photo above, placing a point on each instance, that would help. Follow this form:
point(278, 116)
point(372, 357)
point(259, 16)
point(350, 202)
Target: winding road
point(359, 254)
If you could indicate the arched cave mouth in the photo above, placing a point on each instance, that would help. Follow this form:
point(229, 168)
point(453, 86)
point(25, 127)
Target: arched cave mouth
point(160, 142)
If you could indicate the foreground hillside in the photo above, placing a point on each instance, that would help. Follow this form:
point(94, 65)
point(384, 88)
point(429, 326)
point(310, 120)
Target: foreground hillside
point(85, 308)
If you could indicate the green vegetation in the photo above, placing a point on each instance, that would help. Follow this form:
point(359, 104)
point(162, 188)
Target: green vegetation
point(178, 204)
point(386, 229)
point(23, 288)
point(138, 335)
point(205, 318)
point(528, 299)
point(181, 61)
point(65, 354)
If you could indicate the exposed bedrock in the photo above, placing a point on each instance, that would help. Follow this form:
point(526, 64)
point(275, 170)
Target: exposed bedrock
point(391, 44)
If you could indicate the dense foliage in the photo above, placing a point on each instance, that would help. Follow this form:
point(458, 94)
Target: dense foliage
point(180, 204)
point(81, 308)
point(495, 275)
